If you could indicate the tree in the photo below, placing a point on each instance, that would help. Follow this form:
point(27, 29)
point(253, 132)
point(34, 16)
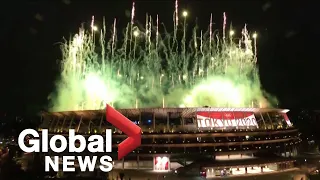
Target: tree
point(36, 167)
point(121, 175)
point(9, 169)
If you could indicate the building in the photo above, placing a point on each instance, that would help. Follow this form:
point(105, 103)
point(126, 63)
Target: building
point(204, 141)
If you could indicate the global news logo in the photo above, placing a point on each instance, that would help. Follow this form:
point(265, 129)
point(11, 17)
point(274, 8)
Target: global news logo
point(78, 144)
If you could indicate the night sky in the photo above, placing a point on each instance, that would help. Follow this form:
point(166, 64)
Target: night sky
point(287, 44)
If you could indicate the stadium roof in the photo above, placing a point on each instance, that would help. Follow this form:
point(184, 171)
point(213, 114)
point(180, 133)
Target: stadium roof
point(185, 112)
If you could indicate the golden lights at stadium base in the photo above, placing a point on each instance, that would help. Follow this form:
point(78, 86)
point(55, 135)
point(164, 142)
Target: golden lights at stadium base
point(212, 172)
point(209, 172)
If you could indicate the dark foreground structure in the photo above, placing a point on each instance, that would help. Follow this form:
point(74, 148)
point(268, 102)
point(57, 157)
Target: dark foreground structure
point(202, 141)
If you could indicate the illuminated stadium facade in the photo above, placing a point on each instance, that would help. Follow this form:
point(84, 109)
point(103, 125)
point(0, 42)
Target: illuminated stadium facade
point(204, 141)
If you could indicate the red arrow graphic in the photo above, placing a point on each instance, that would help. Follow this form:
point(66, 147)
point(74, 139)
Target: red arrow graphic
point(126, 126)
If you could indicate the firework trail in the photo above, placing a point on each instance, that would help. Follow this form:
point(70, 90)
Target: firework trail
point(152, 69)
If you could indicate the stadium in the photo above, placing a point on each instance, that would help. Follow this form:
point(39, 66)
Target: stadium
point(204, 141)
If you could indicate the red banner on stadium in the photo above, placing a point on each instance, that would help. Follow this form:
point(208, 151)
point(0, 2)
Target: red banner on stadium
point(286, 118)
point(225, 119)
point(161, 164)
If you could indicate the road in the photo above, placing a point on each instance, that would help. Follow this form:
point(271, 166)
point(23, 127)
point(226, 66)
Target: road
point(149, 175)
